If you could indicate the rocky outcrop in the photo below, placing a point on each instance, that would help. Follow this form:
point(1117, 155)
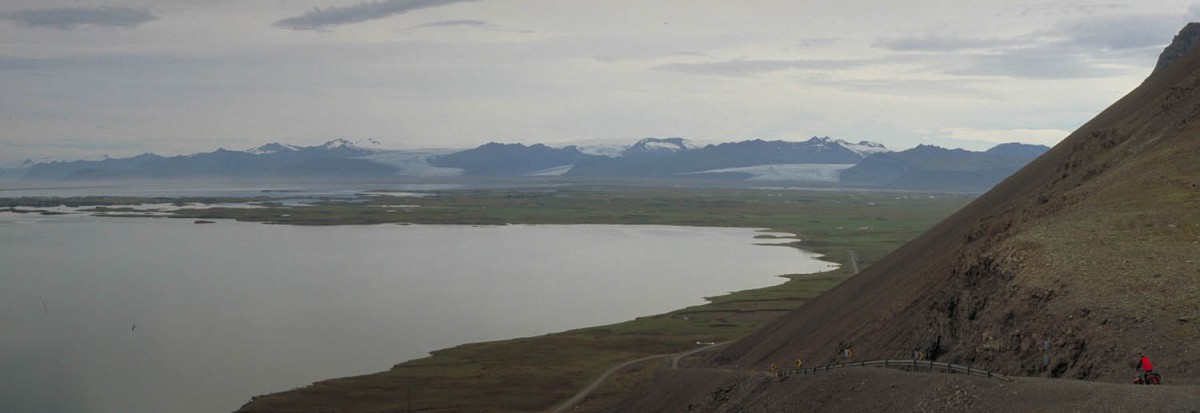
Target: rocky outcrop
point(1069, 268)
point(1187, 39)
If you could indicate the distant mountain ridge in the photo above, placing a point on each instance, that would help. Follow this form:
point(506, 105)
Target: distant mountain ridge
point(817, 150)
point(513, 159)
point(7, 174)
point(933, 168)
point(821, 161)
point(338, 158)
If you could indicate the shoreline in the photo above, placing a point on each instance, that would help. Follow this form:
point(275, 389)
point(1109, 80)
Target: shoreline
point(536, 372)
point(744, 238)
point(673, 313)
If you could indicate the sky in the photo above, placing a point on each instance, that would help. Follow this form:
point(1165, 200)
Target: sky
point(86, 79)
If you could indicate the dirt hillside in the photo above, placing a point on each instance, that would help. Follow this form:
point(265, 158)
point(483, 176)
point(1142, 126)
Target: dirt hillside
point(1068, 269)
point(1084, 258)
point(883, 390)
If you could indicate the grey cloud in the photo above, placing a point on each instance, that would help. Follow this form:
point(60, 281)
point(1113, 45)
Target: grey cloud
point(1119, 32)
point(89, 62)
point(932, 43)
point(321, 18)
point(904, 87)
point(815, 42)
point(612, 58)
point(1080, 48)
point(1036, 63)
point(1091, 34)
point(1073, 8)
point(1028, 57)
point(608, 58)
point(451, 23)
point(67, 18)
point(751, 67)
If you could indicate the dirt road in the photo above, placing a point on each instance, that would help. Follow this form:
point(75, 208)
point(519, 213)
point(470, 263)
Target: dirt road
point(675, 357)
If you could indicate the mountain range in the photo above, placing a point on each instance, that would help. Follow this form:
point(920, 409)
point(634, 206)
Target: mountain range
point(821, 161)
point(337, 158)
point(708, 161)
point(930, 167)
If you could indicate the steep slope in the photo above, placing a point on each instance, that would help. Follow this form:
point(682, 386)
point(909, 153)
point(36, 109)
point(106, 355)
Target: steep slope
point(1084, 258)
point(1186, 40)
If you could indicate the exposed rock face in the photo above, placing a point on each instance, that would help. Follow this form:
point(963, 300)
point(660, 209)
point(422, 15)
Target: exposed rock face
point(1069, 268)
point(1187, 39)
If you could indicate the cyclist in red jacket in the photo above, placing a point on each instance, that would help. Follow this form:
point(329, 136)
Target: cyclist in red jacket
point(1147, 370)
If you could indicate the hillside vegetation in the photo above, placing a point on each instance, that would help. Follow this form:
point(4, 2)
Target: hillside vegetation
point(1068, 269)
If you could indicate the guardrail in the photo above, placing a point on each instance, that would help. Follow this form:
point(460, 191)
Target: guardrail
point(915, 365)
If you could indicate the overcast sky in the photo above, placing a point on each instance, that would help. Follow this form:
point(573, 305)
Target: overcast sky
point(121, 77)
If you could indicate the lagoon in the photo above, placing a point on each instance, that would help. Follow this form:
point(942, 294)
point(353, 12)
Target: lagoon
point(150, 314)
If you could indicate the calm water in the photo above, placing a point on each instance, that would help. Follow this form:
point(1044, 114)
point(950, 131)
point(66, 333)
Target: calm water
point(135, 315)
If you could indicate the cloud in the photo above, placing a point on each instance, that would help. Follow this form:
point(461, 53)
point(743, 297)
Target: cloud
point(1048, 137)
point(1071, 8)
point(1088, 47)
point(933, 43)
point(815, 42)
point(1123, 32)
point(1037, 63)
point(451, 23)
point(90, 62)
point(1087, 34)
point(67, 18)
point(318, 19)
point(742, 67)
point(895, 86)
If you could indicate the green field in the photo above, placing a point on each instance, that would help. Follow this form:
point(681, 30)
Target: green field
point(536, 373)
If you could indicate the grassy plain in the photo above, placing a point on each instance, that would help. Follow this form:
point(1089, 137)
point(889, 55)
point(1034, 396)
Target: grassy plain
point(536, 373)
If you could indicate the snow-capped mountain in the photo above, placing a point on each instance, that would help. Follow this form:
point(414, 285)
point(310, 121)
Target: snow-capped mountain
point(340, 143)
point(647, 146)
point(673, 157)
point(274, 147)
point(335, 144)
point(602, 149)
point(658, 147)
point(864, 148)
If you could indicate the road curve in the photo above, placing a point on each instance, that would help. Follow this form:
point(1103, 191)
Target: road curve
point(675, 357)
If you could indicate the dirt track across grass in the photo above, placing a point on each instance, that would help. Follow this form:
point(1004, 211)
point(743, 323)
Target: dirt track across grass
point(674, 364)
